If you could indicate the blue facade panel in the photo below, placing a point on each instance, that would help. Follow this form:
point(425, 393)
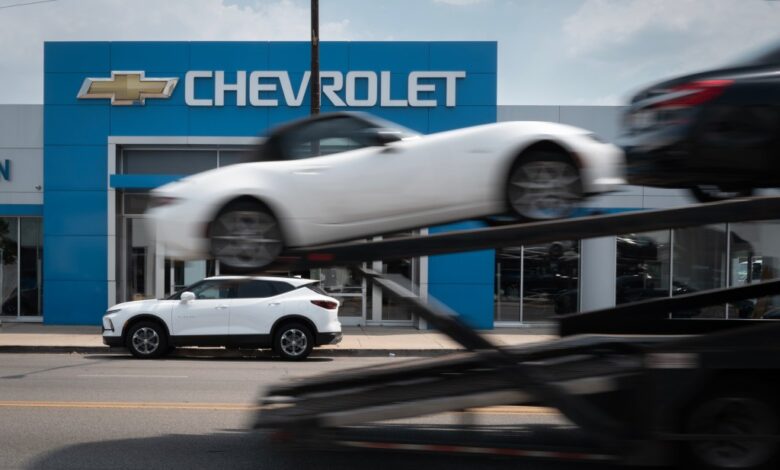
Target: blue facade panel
point(76, 301)
point(72, 57)
point(464, 281)
point(76, 133)
point(76, 168)
point(151, 57)
point(75, 213)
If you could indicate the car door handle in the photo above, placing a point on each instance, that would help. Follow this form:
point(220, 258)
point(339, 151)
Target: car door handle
point(221, 307)
point(274, 303)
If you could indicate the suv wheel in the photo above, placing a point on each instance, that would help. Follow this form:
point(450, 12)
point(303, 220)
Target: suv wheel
point(147, 340)
point(293, 341)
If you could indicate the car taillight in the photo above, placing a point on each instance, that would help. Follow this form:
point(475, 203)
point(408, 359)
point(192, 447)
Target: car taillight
point(326, 304)
point(692, 93)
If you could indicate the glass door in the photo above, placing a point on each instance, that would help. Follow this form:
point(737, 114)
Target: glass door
point(341, 284)
point(138, 260)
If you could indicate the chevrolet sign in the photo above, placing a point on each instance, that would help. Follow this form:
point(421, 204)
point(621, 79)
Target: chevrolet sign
point(127, 88)
point(260, 88)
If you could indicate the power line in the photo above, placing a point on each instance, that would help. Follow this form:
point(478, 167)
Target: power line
point(26, 3)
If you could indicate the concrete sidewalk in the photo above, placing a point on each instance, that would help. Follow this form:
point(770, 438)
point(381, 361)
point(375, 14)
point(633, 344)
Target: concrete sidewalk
point(368, 341)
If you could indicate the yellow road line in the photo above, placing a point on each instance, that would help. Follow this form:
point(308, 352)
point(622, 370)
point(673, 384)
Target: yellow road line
point(520, 410)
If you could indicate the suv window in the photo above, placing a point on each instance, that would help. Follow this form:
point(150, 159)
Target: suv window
point(213, 290)
point(255, 289)
point(281, 287)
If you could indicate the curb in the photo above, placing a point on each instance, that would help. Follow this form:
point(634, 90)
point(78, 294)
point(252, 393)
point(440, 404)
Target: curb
point(222, 353)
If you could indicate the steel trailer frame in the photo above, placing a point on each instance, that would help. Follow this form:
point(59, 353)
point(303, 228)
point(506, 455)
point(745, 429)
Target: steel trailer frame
point(635, 332)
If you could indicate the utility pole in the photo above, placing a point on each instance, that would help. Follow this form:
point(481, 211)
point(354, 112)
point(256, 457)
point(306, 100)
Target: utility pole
point(314, 79)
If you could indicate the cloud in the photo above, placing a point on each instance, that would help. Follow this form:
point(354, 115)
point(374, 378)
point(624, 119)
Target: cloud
point(24, 29)
point(688, 34)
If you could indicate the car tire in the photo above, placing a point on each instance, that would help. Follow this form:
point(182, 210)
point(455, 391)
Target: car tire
point(293, 341)
point(731, 410)
point(714, 193)
point(245, 236)
point(147, 340)
point(544, 185)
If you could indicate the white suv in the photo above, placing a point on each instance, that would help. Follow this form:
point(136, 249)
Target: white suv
point(289, 315)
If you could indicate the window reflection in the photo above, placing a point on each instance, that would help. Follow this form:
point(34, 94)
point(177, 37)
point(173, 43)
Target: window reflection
point(700, 264)
point(9, 257)
point(550, 280)
point(755, 257)
point(30, 266)
point(643, 266)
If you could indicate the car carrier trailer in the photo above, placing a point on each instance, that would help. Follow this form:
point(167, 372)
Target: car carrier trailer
point(645, 387)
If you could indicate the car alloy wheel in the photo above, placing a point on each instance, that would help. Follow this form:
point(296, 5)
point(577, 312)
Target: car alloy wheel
point(544, 186)
point(293, 342)
point(145, 340)
point(245, 237)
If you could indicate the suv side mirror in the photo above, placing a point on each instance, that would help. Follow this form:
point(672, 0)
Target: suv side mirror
point(187, 296)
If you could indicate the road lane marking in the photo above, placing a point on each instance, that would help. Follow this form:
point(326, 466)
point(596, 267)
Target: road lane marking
point(502, 410)
point(131, 376)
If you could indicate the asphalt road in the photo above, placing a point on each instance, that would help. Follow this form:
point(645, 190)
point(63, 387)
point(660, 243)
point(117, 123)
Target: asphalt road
point(73, 411)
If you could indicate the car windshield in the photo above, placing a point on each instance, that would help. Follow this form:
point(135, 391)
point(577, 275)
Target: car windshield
point(331, 134)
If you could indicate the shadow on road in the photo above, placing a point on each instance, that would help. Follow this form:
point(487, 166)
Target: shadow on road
point(237, 450)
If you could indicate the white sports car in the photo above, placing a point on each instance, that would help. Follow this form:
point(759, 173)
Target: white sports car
point(345, 176)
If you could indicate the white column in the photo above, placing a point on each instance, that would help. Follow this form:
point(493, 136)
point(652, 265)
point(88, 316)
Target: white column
point(597, 273)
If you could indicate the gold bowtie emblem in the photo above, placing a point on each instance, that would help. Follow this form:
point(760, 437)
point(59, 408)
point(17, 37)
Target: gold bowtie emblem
point(127, 88)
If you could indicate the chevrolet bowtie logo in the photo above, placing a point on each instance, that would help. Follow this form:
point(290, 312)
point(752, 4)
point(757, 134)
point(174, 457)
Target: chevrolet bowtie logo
point(127, 88)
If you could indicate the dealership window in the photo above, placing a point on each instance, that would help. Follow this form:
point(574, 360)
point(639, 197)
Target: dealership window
point(699, 263)
point(754, 257)
point(180, 160)
point(21, 257)
point(643, 266)
point(537, 282)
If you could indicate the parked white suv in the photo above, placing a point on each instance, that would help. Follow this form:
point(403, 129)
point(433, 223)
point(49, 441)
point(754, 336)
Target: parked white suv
point(288, 315)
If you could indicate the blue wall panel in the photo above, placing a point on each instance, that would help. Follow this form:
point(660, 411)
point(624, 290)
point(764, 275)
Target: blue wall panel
point(75, 125)
point(229, 55)
point(75, 168)
point(74, 302)
point(392, 56)
point(75, 213)
point(464, 281)
point(152, 57)
point(76, 258)
point(77, 132)
point(76, 57)
point(228, 121)
point(474, 57)
point(136, 120)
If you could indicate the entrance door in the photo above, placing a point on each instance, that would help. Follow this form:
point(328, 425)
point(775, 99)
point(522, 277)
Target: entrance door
point(350, 291)
point(138, 260)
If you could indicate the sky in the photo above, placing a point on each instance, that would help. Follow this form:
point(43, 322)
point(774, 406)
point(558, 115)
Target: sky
point(550, 52)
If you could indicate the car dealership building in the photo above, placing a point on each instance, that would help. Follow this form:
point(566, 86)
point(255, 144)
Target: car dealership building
point(120, 118)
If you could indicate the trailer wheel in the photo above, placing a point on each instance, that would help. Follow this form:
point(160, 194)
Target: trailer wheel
point(732, 413)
